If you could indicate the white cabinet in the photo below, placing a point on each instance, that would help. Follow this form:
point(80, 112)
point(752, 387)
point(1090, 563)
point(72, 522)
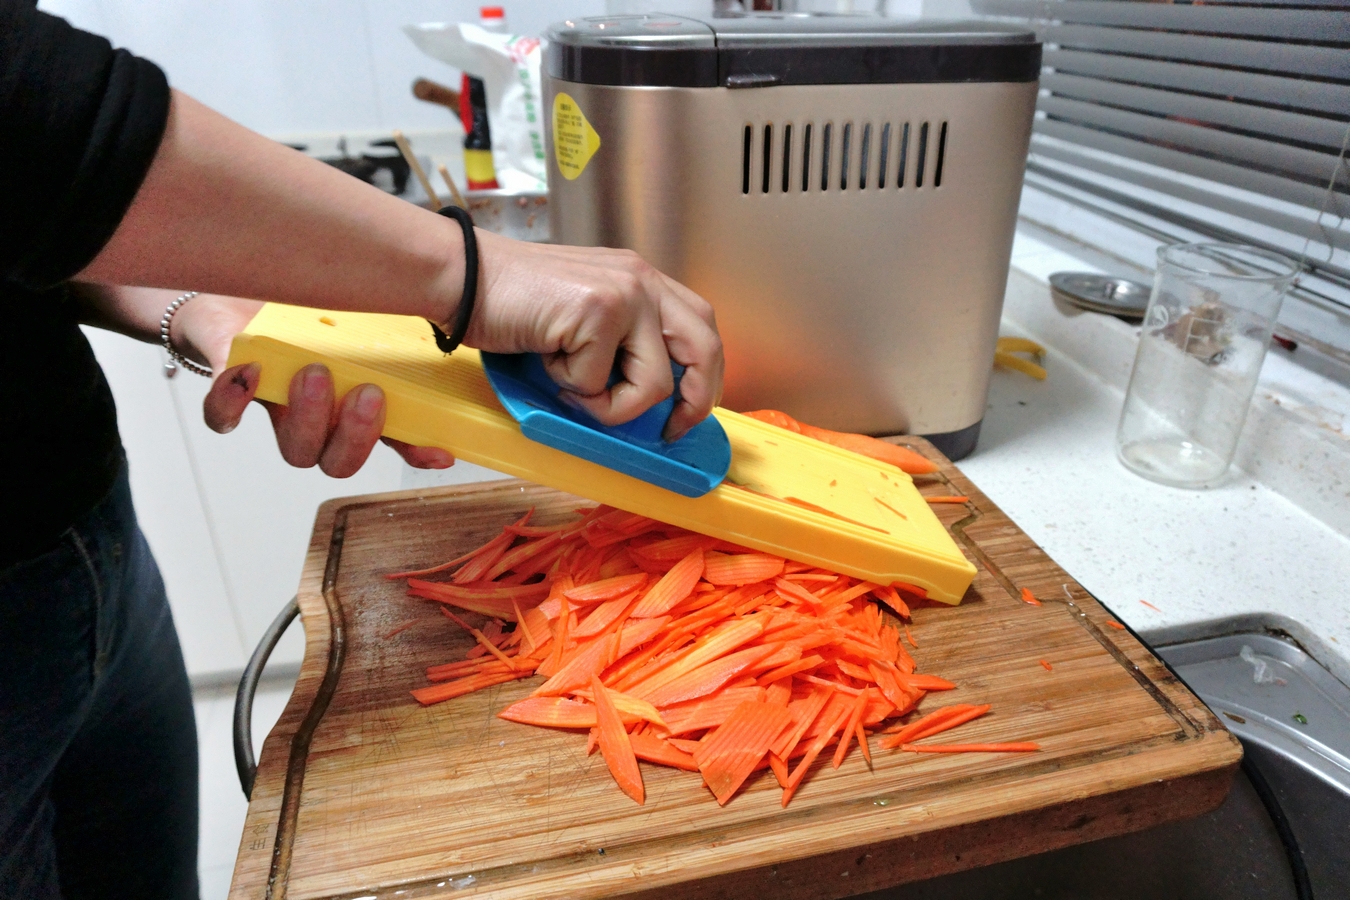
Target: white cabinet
point(169, 506)
point(227, 519)
point(262, 510)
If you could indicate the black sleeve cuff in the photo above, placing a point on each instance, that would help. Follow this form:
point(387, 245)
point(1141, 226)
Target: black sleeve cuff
point(84, 122)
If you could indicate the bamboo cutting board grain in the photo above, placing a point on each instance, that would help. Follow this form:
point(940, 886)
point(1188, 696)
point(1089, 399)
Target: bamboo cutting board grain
point(361, 793)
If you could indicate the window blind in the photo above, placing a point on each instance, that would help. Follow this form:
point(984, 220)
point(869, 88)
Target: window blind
point(1226, 120)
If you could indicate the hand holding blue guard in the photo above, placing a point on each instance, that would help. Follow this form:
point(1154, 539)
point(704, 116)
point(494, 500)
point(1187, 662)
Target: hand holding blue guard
point(691, 466)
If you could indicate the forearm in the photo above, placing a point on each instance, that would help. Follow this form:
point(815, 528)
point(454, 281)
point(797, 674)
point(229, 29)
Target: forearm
point(226, 210)
point(132, 311)
point(200, 330)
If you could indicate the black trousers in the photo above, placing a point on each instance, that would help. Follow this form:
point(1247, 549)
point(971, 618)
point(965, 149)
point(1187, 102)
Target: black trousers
point(98, 748)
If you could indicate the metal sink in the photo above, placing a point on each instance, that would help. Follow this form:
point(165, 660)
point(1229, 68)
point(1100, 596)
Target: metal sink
point(1295, 729)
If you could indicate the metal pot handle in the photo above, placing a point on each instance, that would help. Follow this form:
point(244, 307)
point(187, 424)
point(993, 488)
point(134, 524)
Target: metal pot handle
point(248, 686)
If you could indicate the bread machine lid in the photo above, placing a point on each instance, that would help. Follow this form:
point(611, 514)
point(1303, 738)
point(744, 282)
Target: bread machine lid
point(763, 49)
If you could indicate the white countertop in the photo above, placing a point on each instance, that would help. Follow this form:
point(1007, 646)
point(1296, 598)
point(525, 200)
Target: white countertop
point(1046, 455)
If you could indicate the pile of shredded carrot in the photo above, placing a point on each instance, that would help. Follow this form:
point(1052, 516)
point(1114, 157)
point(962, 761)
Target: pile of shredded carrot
point(686, 651)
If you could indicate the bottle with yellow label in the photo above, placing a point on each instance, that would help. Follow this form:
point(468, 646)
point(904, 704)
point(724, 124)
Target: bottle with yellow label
point(479, 171)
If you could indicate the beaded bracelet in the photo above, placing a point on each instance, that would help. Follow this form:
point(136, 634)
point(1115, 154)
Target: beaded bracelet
point(177, 359)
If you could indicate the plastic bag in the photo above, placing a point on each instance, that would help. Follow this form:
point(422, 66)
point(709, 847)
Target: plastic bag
point(509, 67)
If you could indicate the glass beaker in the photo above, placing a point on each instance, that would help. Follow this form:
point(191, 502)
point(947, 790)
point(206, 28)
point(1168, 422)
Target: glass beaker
point(1205, 334)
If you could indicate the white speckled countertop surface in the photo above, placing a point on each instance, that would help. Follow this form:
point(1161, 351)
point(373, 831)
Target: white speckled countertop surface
point(1047, 456)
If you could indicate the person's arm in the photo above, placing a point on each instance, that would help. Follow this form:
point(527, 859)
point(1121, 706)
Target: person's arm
point(227, 211)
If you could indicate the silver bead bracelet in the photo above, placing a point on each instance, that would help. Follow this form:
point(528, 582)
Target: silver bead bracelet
point(177, 359)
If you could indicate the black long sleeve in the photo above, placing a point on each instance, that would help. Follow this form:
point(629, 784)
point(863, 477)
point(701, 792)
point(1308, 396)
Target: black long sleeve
point(80, 124)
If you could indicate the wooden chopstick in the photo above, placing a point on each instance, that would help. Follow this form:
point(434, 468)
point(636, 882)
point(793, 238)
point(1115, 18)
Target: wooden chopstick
point(454, 190)
point(406, 150)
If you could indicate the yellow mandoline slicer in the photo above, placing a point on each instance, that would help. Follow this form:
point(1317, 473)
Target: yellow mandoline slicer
point(783, 494)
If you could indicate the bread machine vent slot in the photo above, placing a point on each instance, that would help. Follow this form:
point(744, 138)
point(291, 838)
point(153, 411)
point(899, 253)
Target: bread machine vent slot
point(942, 151)
point(923, 155)
point(806, 157)
point(876, 147)
point(768, 158)
point(745, 160)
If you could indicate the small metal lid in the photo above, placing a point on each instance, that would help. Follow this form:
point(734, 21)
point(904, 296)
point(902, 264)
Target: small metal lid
point(1102, 293)
point(761, 49)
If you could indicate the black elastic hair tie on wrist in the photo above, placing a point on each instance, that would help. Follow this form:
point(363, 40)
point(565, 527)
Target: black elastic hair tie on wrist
point(448, 342)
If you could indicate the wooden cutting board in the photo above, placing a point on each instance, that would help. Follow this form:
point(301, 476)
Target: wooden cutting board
point(362, 793)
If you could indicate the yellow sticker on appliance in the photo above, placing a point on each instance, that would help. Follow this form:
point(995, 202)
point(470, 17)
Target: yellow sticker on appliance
point(574, 140)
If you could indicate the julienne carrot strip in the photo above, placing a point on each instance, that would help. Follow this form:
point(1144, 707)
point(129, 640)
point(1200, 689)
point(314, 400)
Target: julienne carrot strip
point(850, 729)
point(956, 719)
point(799, 773)
point(938, 717)
point(952, 499)
point(685, 651)
point(1045, 665)
point(520, 626)
point(1029, 597)
point(891, 597)
point(490, 546)
point(1116, 625)
point(399, 629)
point(861, 734)
point(482, 639)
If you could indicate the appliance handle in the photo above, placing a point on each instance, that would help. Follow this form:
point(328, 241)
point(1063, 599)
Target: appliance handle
point(248, 687)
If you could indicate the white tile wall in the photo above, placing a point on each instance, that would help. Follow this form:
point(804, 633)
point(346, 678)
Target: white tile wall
point(281, 66)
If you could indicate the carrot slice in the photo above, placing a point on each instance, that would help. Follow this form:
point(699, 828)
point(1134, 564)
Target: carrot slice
point(661, 751)
point(741, 568)
point(708, 678)
point(1116, 625)
point(727, 755)
point(714, 645)
point(707, 712)
point(615, 746)
point(1045, 665)
point(673, 587)
point(631, 709)
point(589, 659)
point(1029, 597)
point(606, 589)
point(603, 615)
point(765, 661)
point(437, 693)
point(550, 712)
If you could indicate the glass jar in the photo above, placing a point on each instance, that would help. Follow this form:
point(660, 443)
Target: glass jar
point(1204, 337)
